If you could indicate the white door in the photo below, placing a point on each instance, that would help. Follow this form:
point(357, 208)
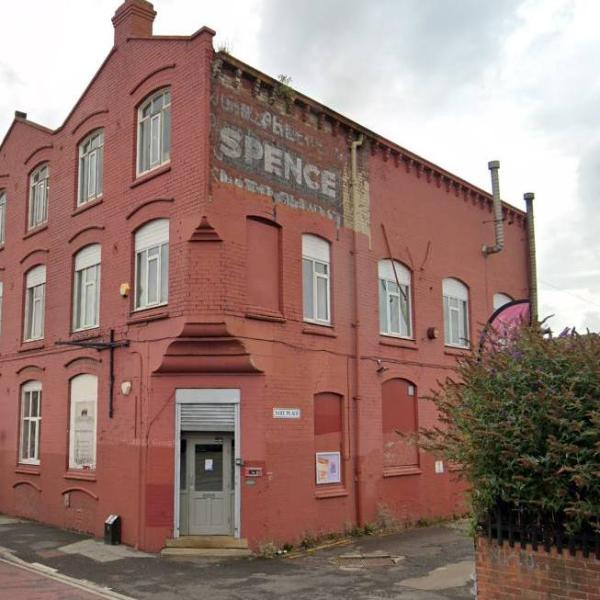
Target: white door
point(209, 483)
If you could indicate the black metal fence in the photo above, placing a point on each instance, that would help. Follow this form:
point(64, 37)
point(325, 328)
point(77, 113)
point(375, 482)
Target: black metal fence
point(524, 525)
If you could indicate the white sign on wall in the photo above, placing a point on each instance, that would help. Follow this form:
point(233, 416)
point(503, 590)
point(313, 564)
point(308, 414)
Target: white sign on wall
point(286, 413)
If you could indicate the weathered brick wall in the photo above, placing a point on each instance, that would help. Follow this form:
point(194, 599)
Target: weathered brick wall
point(505, 573)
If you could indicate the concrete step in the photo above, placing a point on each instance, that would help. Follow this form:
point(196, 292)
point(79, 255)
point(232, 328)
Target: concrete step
point(207, 541)
point(207, 552)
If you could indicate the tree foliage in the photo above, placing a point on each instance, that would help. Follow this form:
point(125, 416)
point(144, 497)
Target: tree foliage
point(522, 418)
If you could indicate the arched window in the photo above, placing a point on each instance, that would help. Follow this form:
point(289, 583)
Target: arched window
point(83, 417)
point(86, 288)
point(399, 416)
point(316, 286)
point(35, 299)
point(500, 300)
point(38, 197)
point(394, 299)
point(154, 131)
point(328, 424)
point(456, 313)
point(152, 264)
point(31, 421)
point(91, 152)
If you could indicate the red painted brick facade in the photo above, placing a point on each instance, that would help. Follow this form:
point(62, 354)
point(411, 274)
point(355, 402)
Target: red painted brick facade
point(210, 335)
point(505, 573)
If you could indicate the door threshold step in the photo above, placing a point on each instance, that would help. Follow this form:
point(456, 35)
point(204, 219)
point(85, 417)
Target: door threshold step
point(224, 542)
point(207, 552)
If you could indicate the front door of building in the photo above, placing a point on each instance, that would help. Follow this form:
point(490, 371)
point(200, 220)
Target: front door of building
point(208, 494)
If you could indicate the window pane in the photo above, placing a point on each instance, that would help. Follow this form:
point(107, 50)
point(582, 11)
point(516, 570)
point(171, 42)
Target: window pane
point(405, 311)
point(26, 404)
point(155, 143)
point(25, 441)
point(82, 178)
point(33, 439)
point(91, 187)
point(454, 326)
point(99, 170)
point(307, 288)
point(34, 404)
point(322, 293)
point(145, 145)
point(394, 313)
point(164, 272)
point(464, 330)
point(383, 319)
point(166, 134)
point(446, 320)
point(141, 279)
point(321, 268)
point(152, 280)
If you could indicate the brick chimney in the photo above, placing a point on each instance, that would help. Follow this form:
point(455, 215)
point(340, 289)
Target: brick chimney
point(133, 18)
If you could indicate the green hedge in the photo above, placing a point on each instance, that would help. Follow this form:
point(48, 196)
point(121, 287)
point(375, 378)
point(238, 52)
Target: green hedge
point(523, 420)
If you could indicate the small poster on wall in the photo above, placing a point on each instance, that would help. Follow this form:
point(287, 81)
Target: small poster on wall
point(328, 467)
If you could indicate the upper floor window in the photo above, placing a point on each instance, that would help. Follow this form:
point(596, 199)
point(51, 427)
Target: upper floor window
point(91, 152)
point(500, 300)
point(82, 429)
point(86, 298)
point(394, 299)
point(316, 279)
point(35, 292)
point(31, 420)
point(38, 197)
point(154, 131)
point(456, 313)
point(2, 216)
point(152, 264)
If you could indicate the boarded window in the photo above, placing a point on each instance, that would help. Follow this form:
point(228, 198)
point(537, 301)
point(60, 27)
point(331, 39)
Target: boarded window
point(264, 265)
point(328, 414)
point(399, 416)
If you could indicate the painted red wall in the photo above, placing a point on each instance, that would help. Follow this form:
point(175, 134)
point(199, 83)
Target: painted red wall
point(220, 329)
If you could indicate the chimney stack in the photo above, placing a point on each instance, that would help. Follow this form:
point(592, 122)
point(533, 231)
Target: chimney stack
point(133, 18)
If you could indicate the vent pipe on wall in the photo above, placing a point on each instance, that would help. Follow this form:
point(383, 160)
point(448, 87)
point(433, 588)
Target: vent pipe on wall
point(494, 166)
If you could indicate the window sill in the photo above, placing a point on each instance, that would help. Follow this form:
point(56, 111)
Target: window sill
point(332, 492)
point(81, 476)
point(273, 317)
point(457, 351)
point(86, 334)
point(148, 175)
point(34, 230)
point(319, 329)
point(24, 469)
point(395, 342)
point(87, 205)
point(146, 315)
point(401, 471)
point(32, 345)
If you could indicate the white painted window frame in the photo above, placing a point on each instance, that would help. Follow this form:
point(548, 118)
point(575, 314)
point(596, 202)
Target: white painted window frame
point(88, 396)
point(155, 126)
point(87, 275)
point(29, 422)
point(500, 299)
point(387, 278)
point(35, 300)
point(142, 255)
point(91, 157)
point(456, 302)
point(317, 251)
point(2, 217)
point(38, 196)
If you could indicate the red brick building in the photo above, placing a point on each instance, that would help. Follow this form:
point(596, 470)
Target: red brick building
point(282, 286)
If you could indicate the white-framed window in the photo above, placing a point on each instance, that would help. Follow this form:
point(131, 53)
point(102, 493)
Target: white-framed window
point(82, 424)
point(31, 421)
point(91, 155)
point(154, 131)
point(86, 288)
point(316, 286)
point(2, 216)
point(394, 299)
point(500, 300)
point(152, 264)
point(35, 292)
point(456, 313)
point(38, 197)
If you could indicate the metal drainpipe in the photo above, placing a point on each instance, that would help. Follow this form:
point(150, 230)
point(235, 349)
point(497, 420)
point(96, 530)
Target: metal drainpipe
point(533, 293)
point(357, 479)
point(494, 166)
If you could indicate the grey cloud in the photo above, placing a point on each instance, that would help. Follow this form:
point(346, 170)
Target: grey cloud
point(9, 76)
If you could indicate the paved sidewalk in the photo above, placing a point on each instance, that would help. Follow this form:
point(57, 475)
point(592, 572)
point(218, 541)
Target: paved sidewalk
point(433, 563)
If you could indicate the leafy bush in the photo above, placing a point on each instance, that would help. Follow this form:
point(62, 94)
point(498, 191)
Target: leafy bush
point(522, 418)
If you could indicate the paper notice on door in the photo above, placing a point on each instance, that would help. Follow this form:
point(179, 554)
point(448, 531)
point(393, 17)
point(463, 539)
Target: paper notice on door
point(208, 464)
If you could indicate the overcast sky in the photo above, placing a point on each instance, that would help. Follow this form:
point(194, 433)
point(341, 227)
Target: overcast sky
point(460, 82)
